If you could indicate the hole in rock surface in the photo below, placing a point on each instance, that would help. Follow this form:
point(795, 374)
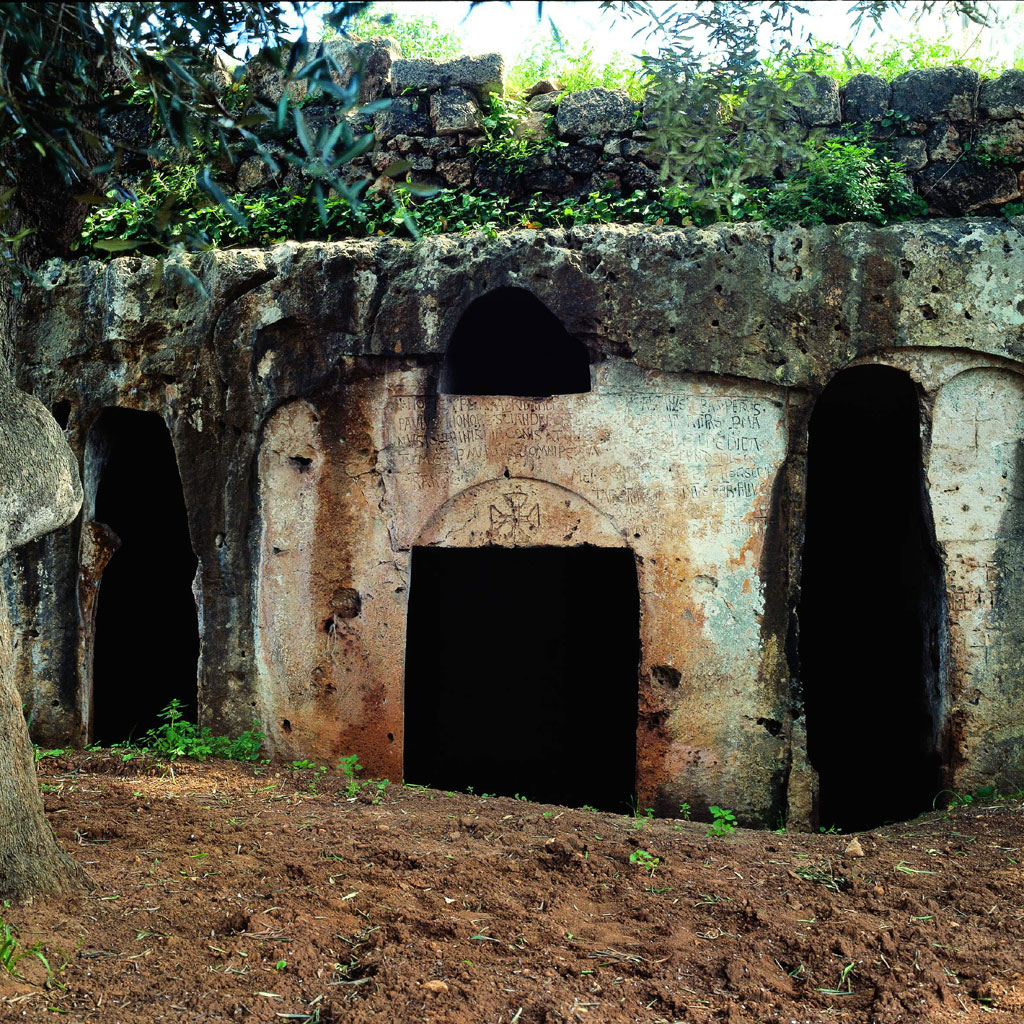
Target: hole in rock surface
point(147, 641)
point(871, 604)
point(521, 673)
point(509, 343)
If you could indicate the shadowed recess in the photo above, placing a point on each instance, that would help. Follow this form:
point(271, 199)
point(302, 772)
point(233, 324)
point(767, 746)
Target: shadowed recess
point(521, 673)
point(147, 639)
point(509, 343)
point(871, 605)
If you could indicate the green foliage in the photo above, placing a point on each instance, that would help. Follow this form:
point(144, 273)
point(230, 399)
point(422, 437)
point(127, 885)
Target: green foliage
point(573, 70)
point(887, 59)
point(68, 70)
point(417, 35)
point(177, 737)
point(505, 145)
point(842, 179)
point(349, 766)
point(644, 860)
point(723, 822)
point(993, 154)
point(684, 811)
point(11, 951)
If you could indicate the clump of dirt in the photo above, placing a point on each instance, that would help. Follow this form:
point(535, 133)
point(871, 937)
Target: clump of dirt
point(232, 893)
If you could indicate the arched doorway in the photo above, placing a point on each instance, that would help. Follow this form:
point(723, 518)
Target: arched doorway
point(871, 611)
point(146, 639)
point(509, 343)
point(521, 672)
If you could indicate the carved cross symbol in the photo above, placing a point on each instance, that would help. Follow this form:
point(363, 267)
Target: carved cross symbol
point(517, 518)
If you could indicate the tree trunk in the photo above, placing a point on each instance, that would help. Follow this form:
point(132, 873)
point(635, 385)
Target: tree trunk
point(31, 862)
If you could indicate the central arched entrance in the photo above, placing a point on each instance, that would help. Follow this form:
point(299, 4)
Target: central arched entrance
point(871, 612)
point(523, 650)
point(521, 673)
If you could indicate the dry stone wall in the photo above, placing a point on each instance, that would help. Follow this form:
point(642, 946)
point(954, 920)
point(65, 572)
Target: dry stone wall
point(302, 390)
point(961, 137)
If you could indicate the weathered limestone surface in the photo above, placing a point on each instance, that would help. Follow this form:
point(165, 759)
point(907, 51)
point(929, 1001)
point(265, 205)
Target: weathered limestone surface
point(975, 473)
point(301, 390)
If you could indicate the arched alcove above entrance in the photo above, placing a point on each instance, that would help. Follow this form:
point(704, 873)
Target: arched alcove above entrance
point(519, 512)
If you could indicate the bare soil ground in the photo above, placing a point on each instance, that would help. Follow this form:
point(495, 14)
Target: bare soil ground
point(224, 893)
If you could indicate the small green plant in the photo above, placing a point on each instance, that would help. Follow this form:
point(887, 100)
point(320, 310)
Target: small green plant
point(842, 179)
point(723, 821)
point(11, 951)
point(844, 979)
point(178, 737)
point(992, 154)
point(348, 766)
point(639, 820)
point(41, 752)
point(645, 860)
point(504, 144)
point(280, 965)
point(684, 811)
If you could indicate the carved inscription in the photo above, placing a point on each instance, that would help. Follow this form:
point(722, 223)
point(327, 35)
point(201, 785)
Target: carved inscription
point(630, 452)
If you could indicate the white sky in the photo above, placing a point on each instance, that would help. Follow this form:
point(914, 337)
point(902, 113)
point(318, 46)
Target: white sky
point(510, 28)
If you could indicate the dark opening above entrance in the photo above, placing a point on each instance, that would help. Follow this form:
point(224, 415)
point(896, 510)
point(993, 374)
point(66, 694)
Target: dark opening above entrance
point(147, 641)
point(871, 606)
point(521, 673)
point(509, 343)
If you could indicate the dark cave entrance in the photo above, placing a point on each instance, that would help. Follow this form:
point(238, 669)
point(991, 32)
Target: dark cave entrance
point(509, 343)
point(146, 644)
point(872, 607)
point(521, 673)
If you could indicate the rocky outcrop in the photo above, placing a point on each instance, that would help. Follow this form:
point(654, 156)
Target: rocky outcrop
point(345, 341)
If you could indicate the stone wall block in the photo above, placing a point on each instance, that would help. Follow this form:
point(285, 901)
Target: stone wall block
point(456, 173)
point(549, 179)
point(912, 151)
point(484, 74)
point(816, 100)
point(577, 159)
point(943, 142)
point(1005, 138)
point(930, 94)
point(865, 98)
point(961, 187)
point(454, 110)
point(1002, 98)
point(595, 112)
point(545, 102)
point(387, 124)
point(375, 57)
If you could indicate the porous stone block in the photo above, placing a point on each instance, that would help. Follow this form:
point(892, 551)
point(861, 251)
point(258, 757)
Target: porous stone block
point(483, 74)
point(577, 159)
point(961, 187)
point(387, 124)
point(454, 110)
point(456, 173)
point(1003, 97)
point(943, 142)
point(595, 112)
point(1005, 138)
point(912, 151)
point(544, 102)
point(928, 94)
point(865, 98)
point(373, 58)
point(815, 100)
